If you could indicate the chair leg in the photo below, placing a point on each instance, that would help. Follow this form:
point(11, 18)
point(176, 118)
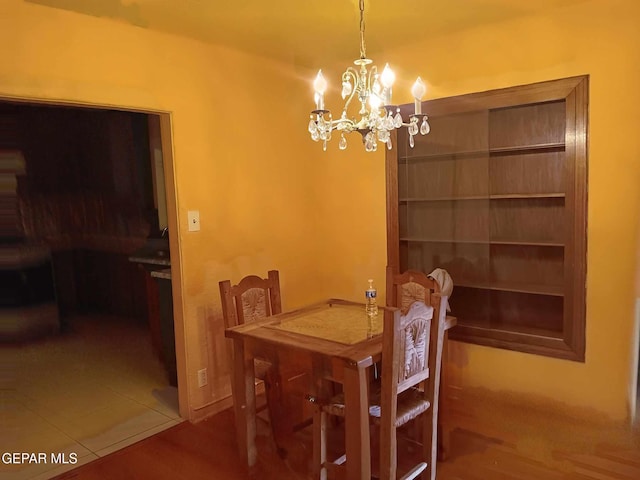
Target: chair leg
point(388, 452)
point(273, 396)
point(319, 444)
point(374, 442)
point(430, 443)
point(444, 440)
point(443, 403)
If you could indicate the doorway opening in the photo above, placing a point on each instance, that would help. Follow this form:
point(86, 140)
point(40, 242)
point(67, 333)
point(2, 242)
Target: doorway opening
point(86, 195)
point(635, 381)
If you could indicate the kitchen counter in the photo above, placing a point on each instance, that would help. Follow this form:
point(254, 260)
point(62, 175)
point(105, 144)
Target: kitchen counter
point(151, 260)
point(154, 253)
point(165, 274)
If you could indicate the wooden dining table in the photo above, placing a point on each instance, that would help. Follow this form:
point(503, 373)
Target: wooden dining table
point(336, 337)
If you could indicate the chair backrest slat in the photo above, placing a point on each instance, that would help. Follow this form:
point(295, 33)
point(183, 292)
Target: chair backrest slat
point(408, 343)
point(405, 288)
point(253, 298)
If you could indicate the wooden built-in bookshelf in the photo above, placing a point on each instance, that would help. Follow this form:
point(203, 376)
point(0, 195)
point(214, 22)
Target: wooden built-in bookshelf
point(496, 195)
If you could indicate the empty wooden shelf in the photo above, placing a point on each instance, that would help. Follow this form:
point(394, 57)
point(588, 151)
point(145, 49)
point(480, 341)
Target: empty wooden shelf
point(496, 195)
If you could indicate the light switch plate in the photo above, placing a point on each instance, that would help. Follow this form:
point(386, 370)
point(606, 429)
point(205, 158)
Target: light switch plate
point(193, 217)
point(202, 377)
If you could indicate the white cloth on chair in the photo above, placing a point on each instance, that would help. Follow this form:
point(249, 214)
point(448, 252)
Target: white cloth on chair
point(442, 278)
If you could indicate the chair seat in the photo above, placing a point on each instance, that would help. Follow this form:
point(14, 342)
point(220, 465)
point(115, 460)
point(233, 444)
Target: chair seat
point(411, 404)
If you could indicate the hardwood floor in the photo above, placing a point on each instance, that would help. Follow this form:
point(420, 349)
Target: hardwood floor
point(517, 447)
point(204, 450)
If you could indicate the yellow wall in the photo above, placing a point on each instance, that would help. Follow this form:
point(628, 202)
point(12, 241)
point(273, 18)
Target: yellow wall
point(272, 199)
point(595, 37)
point(600, 38)
point(254, 187)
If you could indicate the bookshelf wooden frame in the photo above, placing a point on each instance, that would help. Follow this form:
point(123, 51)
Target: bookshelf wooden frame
point(507, 222)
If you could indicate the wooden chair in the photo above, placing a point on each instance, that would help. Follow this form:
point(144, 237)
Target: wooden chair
point(405, 288)
point(255, 298)
point(409, 388)
point(402, 290)
point(252, 299)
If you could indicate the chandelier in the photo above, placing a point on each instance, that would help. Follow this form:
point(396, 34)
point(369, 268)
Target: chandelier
point(378, 117)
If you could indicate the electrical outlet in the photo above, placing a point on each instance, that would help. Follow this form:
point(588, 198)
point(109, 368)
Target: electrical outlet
point(202, 377)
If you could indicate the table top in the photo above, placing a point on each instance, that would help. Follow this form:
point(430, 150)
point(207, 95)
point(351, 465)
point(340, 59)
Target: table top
point(342, 323)
point(335, 328)
point(301, 329)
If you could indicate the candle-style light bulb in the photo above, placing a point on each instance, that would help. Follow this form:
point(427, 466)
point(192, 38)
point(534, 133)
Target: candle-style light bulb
point(387, 77)
point(375, 101)
point(320, 86)
point(418, 90)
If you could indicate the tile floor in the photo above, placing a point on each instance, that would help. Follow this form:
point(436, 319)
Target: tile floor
point(91, 391)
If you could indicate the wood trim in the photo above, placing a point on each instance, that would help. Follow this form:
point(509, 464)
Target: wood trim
point(569, 250)
point(501, 98)
point(514, 341)
point(393, 233)
point(574, 92)
point(579, 237)
point(273, 276)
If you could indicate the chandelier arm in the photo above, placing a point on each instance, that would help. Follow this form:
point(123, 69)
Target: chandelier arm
point(403, 124)
point(350, 72)
point(413, 116)
point(348, 125)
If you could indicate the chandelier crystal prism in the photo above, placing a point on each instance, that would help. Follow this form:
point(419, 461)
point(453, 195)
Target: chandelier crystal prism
point(378, 117)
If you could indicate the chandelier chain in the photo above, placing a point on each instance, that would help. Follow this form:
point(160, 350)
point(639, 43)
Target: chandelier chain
point(363, 48)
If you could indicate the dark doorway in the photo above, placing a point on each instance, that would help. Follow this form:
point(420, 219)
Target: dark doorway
point(85, 199)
